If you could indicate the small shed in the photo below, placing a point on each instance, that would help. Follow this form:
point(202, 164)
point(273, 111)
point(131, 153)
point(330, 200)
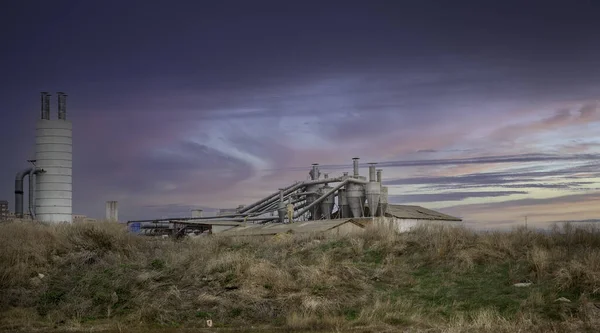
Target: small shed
point(334, 227)
point(402, 218)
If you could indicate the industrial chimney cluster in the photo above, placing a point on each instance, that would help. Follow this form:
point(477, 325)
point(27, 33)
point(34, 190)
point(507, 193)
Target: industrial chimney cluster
point(50, 177)
point(316, 199)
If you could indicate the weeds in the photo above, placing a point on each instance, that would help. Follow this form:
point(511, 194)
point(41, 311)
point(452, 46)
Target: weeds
point(436, 279)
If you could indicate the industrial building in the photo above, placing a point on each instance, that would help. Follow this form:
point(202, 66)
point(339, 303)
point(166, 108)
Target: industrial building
point(322, 204)
point(50, 173)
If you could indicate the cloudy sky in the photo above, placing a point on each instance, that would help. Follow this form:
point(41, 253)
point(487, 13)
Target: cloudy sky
point(488, 110)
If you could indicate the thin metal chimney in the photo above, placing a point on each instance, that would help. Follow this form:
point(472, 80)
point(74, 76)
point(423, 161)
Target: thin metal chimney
point(355, 166)
point(379, 171)
point(45, 105)
point(314, 173)
point(372, 172)
point(62, 106)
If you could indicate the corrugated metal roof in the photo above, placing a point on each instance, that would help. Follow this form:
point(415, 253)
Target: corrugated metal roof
point(278, 228)
point(418, 213)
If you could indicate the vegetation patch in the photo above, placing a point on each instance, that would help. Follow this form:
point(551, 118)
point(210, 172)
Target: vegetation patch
point(436, 279)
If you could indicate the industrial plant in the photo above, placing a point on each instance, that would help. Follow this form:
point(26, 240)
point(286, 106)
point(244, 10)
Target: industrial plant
point(344, 203)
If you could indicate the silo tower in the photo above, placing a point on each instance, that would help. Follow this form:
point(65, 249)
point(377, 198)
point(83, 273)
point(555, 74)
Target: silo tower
point(54, 154)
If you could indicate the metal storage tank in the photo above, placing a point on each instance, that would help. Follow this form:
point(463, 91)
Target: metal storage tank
point(383, 201)
point(354, 194)
point(54, 154)
point(373, 190)
point(112, 211)
point(343, 203)
point(315, 211)
point(328, 203)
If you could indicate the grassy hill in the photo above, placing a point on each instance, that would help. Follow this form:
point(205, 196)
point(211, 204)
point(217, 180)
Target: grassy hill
point(86, 276)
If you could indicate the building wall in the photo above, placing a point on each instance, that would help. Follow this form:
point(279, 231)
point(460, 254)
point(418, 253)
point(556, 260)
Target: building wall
point(404, 225)
point(220, 228)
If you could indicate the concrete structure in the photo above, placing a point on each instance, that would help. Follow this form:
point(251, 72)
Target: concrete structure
point(333, 227)
point(112, 211)
point(4, 212)
point(53, 154)
point(403, 218)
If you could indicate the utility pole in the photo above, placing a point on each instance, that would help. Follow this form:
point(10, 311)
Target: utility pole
point(525, 221)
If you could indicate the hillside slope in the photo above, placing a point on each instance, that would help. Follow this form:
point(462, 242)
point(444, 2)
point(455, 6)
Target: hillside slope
point(433, 279)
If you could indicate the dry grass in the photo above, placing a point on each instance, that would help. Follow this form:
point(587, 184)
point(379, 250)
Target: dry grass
point(429, 280)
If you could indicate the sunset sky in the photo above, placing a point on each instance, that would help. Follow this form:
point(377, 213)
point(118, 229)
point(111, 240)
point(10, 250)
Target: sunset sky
point(487, 110)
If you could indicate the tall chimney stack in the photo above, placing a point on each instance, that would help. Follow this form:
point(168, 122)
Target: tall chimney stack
point(45, 105)
point(372, 172)
point(355, 166)
point(62, 105)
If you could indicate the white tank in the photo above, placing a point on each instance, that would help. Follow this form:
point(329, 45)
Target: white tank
point(112, 211)
point(53, 154)
point(355, 196)
point(373, 191)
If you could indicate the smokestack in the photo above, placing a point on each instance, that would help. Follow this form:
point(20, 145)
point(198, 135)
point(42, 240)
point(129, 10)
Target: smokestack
point(355, 166)
point(281, 195)
point(372, 172)
point(314, 173)
point(62, 105)
point(45, 106)
point(379, 171)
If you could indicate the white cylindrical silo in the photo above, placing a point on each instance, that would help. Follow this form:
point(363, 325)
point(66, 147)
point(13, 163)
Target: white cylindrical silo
point(54, 154)
point(112, 211)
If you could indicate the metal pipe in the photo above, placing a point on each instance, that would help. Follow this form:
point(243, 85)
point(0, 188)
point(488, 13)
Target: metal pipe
point(251, 206)
point(379, 171)
point(19, 191)
point(273, 200)
point(187, 218)
point(42, 105)
point(357, 181)
point(275, 205)
point(32, 194)
point(355, 166)
point(46, 106)
point(372, 172)
point(273, 197)
point(62, 105)
point(319, 199)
